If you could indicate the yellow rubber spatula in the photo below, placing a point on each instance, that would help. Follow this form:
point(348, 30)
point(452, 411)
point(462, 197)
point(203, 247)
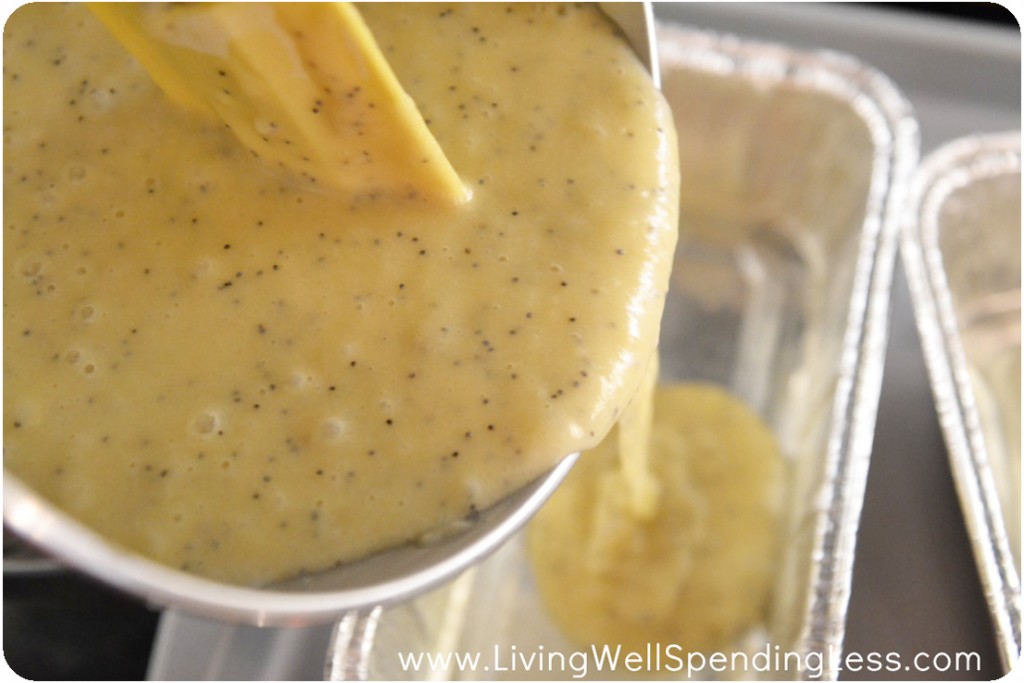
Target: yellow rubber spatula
point(302, 85)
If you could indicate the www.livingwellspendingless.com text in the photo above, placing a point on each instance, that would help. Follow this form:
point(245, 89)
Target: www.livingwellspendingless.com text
point(673, 658)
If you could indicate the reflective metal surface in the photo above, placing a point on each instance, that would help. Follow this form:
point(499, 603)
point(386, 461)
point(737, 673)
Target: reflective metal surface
point(636, 20)
point(961, 252)
point(383, 578)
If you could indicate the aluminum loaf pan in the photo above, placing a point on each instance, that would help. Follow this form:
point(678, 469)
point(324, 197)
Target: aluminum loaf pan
point(795, 168)
point(961, 252)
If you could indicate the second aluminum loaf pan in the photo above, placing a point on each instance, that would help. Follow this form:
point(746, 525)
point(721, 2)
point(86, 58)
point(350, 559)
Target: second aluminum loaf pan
point(961, 250)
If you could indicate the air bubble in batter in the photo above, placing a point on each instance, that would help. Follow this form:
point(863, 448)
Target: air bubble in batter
point(87, 313)
point(207, 423)
point(333, 428)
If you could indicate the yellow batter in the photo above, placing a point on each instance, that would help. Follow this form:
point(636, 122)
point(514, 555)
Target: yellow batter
point(247, 377)
point(690, 564)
